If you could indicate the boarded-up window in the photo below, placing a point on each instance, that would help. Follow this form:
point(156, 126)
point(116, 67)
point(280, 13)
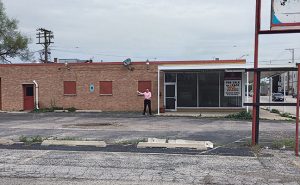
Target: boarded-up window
point(143, 85)
point(105, 87)
point(69, 87)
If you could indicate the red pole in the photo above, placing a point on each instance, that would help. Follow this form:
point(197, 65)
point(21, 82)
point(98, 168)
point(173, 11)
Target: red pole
point(297, 115)
point(254, 110)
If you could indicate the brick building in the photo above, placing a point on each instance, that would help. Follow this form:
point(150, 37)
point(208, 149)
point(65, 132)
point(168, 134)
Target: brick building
point(111, 86)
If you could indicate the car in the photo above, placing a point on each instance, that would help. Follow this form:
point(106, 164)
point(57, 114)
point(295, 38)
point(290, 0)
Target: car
point(294, 95)
point(277, 97)
point(286, 92)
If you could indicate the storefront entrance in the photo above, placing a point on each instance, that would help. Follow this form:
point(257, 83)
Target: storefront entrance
point(203, 89)
point(170, 96)
point(28, 97)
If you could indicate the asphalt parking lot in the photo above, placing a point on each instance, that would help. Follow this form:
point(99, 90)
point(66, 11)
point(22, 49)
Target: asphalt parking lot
point(115, 128)
point(231, 161)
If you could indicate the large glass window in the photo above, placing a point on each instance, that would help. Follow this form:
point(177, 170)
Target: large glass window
point(187, 90)
point(208, 90)
point(230, 100)
point(170, 77)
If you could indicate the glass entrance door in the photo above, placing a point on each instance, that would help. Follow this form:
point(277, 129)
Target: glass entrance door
point(170, 96)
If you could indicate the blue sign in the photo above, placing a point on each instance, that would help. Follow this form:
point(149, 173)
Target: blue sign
point(92, 88)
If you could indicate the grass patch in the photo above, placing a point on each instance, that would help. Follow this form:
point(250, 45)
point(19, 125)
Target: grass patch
point(256, 149)
point(243, 115)
point(31, 139)
point(71, 109)
point(284, 143)
point(287, 115)
point(275, 111)
point(68, 138)
point(52, 109)
point(130, 142)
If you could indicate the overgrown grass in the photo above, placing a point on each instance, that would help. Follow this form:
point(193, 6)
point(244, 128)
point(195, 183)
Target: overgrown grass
point(275, 111)
point(71, 109)
point(68, 138)
point(284, 143)
point(130, 142)
point(243, 115)
point(52, 109)
point(31, 139)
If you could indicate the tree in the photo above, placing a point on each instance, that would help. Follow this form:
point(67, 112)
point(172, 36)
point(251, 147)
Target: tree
point(12, 42)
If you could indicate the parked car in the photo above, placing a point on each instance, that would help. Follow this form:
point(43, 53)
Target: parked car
point(286, 92)
point(294, 95)
point(277, 97)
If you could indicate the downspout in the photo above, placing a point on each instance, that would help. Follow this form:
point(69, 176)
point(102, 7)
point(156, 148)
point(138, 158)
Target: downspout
point(158, 90)
point(36, 94)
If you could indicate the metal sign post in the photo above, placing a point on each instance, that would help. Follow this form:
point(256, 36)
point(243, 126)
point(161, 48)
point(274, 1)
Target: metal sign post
point(256, 97)
point(297, 114)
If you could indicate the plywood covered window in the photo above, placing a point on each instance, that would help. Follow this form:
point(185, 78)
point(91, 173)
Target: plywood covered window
point(69, 88)
point(143, 85)
point(105, 87)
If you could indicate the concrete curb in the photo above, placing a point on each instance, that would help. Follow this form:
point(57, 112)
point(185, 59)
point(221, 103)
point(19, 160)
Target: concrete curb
point(178, 143)
point(61, 111)
point(6, 142)
point(88, 111)
point(73, 143)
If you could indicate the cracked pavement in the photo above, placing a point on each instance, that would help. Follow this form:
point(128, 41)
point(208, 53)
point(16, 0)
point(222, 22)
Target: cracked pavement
point(51, 167)
point(67, 167)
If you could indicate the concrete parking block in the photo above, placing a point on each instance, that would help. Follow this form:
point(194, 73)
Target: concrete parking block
point(88, 110)
point(61, 111)
point(6, 141)
point(178, 143)
point(207, 144)
point(156, 140)
point(73, 143)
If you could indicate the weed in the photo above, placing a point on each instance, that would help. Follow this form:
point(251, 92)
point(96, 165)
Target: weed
point(37, 139)
point(256, 149)
point(285, 114)
point(68, 138)
point(243, 115)
point(23, 139)
point(130, 142)
point(284, 143)
point(275, 111)
point(71, 109)
point(31, 140)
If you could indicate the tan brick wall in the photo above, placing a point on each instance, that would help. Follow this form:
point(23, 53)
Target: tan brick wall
point(50, 78)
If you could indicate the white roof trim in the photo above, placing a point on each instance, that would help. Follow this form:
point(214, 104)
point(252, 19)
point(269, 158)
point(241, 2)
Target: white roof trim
point(220, 66)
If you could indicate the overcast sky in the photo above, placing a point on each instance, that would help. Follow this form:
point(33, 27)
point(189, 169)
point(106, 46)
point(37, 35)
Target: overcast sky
point(113, 30)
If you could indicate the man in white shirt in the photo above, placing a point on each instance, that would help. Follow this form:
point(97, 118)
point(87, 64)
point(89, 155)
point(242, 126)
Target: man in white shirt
point(147, 100)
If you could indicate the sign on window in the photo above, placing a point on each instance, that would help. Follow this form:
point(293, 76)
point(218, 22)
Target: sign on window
point(232, 87)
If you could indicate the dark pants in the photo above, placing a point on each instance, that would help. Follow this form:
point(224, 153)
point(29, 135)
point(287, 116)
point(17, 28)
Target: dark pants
point(147, 103)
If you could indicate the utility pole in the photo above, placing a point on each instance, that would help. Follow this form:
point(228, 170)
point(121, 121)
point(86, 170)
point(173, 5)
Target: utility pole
point(47, 35)
point(293, 61)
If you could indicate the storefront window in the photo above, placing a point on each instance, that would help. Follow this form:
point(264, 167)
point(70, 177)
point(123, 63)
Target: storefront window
point(187, 90)
point(208, 90)
point(170, 77)
point(231, 96)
